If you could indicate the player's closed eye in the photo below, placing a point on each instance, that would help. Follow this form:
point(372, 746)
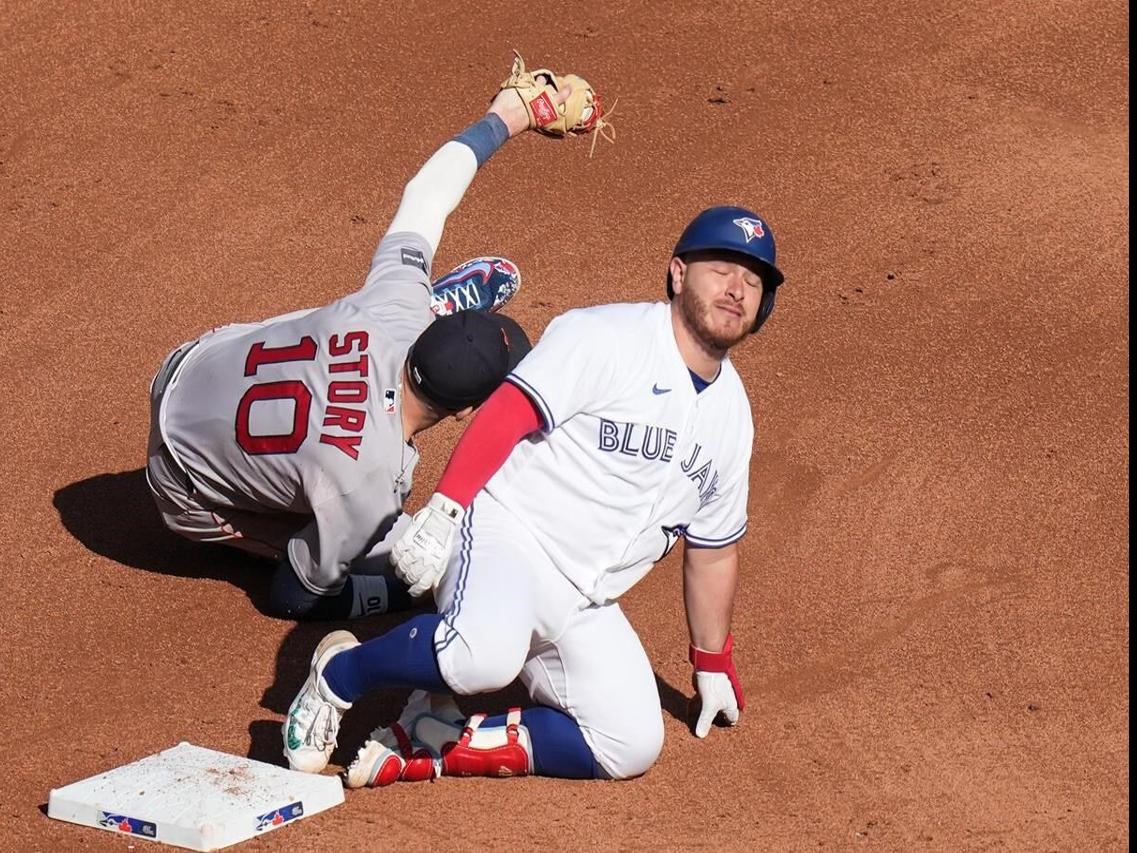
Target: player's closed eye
point(750, 278)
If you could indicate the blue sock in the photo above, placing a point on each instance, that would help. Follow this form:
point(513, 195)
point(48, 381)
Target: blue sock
point(558, 746)
point(403, 657)
point(484, 137)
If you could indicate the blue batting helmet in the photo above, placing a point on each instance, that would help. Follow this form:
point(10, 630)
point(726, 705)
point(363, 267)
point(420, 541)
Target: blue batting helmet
point(738, 230)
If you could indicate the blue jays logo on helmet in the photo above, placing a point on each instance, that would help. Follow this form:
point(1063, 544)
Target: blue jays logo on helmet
point(743, 232)
point(751, 227)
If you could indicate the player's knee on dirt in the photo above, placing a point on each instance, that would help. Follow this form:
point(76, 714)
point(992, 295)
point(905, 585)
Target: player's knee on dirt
point(288, 598)
point(629, 752)
point(361, 595)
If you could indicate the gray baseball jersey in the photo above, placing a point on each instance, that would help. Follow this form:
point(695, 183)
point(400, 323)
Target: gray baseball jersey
point(300, 414)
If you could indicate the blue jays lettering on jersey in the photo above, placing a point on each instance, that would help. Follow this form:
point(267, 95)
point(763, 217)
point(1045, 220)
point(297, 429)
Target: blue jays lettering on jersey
point(703, 473)
point(644, 440)
point(638, 453)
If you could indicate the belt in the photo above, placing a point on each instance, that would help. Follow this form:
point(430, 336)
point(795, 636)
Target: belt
point(176, 470)
point(165, 377)
point(168, 372)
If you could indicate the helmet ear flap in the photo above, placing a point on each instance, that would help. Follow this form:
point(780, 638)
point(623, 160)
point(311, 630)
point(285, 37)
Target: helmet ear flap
point(765, 307)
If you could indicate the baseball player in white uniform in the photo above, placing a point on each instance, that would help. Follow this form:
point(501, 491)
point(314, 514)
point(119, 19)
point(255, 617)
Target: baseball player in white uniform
point(293, 438)
point(623, 431)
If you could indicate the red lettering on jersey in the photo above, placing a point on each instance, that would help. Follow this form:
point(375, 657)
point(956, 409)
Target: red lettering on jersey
point(347, 392)
point(285, 443)
point(260, 354)
point(359, 366)
point(346, 443)
point(349, 342)
point(344, 418)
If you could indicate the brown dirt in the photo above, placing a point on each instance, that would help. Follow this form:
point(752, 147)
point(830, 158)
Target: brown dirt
point(933, 627)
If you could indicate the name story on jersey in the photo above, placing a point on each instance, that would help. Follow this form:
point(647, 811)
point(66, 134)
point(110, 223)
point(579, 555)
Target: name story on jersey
point(347, 393)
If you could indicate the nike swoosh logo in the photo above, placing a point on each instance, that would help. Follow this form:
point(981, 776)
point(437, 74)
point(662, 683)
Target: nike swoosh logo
point(655, 389)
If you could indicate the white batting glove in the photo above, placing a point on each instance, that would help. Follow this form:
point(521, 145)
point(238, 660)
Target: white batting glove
point(717, 695)
point(422, 553)
point(716, 682)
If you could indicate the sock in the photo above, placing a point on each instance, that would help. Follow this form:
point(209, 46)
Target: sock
point(403, 657)
point(558, 746)
point(375, 594)
point(361, 595)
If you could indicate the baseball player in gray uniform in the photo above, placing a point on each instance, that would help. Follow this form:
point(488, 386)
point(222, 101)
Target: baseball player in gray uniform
point(293, 438)
point(625, 430)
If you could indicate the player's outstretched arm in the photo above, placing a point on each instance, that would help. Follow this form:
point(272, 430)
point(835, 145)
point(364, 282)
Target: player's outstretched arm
point(435, 191)
point(710, 577)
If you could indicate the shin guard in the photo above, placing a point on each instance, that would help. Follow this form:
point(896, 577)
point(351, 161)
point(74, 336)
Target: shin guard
point(429, 745)
point(497, 751)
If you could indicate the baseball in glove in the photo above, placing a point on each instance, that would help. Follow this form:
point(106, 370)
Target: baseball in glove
point(581, 112)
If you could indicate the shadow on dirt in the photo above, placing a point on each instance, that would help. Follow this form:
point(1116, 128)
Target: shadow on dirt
point(380, 708)
point(114, 516)
point(675, 703)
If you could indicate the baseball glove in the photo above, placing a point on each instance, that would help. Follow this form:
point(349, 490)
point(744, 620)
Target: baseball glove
point(581, 113)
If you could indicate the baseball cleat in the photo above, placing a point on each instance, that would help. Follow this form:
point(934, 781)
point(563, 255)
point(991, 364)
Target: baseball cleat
point(481, 284)
point(394, 753)
point(314, 717)
point(380, 761)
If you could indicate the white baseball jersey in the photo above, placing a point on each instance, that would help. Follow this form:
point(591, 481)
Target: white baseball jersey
point(632, 456)
point(300, 414)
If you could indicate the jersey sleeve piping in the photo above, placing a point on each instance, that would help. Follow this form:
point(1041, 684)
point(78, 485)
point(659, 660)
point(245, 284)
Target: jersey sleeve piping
point(534, 395)
point(703, 542)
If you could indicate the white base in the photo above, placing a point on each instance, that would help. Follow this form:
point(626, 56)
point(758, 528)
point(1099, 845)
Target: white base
point(189, 796)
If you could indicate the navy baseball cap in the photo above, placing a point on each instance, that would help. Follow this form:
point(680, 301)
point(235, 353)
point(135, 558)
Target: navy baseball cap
point(459, 360)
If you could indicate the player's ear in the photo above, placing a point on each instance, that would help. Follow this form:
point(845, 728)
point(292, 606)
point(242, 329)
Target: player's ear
point(462, 414)
point(678, 269)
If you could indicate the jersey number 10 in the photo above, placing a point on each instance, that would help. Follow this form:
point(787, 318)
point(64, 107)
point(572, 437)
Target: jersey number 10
point(291, 389)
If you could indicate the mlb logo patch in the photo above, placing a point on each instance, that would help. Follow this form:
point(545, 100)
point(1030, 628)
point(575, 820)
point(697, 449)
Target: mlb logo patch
point(389, 401)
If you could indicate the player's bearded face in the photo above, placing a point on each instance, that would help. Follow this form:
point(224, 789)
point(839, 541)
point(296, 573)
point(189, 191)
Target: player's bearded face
point(719, 300)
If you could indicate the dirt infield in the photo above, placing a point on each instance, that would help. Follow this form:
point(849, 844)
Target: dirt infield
point(933, 623)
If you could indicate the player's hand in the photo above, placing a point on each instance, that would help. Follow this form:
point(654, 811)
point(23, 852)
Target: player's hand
point(717, 696)
point(510, 108)
point(718, 686)
point(422, 553)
